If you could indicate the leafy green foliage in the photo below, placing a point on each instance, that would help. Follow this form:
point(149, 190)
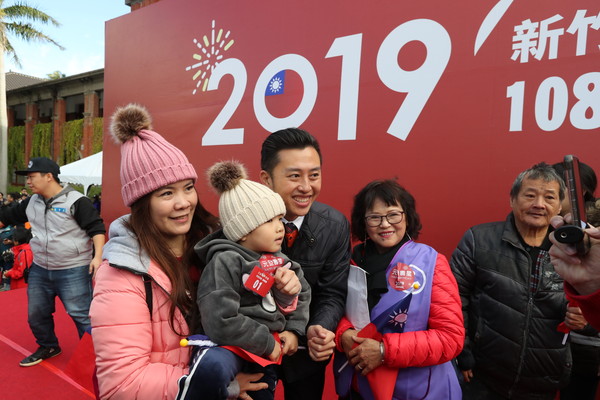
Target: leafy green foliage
point(98, 134)
point(16, 149)
point(71, 142)
point(42, 140)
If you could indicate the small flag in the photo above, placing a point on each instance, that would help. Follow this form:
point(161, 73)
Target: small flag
point(276, 84)
point(394, 318)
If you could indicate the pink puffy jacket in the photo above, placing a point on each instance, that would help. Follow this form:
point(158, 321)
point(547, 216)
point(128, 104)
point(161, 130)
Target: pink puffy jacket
point(137, 358)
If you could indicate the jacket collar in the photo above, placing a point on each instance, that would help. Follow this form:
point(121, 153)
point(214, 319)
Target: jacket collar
point(511, 235)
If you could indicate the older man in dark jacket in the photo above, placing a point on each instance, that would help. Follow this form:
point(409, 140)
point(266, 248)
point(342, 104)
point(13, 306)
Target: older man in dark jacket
point(513, 300)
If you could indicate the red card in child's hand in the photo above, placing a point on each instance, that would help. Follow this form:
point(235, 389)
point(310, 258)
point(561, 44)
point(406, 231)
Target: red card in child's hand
point(259, 281)
point(270, 262)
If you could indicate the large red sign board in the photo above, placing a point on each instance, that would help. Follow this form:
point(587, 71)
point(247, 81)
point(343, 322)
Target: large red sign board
point(452, 98)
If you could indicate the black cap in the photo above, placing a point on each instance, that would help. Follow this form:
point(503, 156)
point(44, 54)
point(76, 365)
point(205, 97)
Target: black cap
point(41, 164)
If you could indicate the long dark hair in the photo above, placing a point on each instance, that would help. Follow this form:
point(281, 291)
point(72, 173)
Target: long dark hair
point(392, 194)
point(152, 240)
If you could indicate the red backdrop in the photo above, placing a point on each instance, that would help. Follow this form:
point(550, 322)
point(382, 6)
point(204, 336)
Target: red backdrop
point(477, 91)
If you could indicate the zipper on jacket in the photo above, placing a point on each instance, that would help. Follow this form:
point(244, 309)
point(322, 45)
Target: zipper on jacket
point(527, 320)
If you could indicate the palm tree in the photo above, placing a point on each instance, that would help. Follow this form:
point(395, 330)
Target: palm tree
point(16, 20)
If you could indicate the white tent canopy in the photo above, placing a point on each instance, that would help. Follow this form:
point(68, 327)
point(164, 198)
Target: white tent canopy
point(86, 172)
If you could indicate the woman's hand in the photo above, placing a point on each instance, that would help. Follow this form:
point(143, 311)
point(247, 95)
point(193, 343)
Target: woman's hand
point(366, 356)
point(574, 318)
point(248, 383)
point(348, 340)
point(289, 341)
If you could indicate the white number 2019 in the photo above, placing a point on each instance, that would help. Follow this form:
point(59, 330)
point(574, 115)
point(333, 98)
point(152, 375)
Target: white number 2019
point(417, 84)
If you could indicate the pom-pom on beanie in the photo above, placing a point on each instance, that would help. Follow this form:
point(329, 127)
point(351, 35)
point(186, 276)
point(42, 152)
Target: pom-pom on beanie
point(148, 161)
point(244, 205)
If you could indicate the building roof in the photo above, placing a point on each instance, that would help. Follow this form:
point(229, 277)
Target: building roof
point(15, 80)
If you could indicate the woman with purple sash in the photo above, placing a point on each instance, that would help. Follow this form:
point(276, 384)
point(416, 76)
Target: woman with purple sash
point(416, 324)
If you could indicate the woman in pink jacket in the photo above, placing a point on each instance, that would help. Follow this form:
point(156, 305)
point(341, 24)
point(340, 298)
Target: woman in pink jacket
point(144, 294)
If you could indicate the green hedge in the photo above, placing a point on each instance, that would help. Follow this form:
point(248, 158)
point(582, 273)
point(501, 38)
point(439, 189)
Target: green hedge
point(41, 145)
point(98, 133)
point(71, 142)
point(16, 149)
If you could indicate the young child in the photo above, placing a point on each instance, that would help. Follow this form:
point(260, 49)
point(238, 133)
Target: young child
point(23, 257)
point(247, 290)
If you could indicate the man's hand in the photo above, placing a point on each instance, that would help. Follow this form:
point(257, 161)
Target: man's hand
point(289, 341)
point(98, 241)
point(582, 272)
point(287, 282)
point(467, 375)
point(94, 265)
point(320, 342)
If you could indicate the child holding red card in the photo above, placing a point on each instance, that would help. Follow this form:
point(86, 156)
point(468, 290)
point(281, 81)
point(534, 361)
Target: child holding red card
point(252, 299)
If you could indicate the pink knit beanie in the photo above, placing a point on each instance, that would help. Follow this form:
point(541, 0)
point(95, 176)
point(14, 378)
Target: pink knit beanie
point(148, 161)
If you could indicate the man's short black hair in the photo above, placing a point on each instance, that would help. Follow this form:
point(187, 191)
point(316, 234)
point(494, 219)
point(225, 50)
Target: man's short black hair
point(284, 139)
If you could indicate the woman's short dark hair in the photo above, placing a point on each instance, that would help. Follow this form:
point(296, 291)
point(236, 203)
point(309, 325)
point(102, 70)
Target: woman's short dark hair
point(589, 181)
point(392, 194)
point(285, 139)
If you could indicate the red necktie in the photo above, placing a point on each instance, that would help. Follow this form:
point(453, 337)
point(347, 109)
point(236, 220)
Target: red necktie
point(291, 232)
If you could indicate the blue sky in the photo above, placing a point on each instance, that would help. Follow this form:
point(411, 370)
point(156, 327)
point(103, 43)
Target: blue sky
point(81, 33)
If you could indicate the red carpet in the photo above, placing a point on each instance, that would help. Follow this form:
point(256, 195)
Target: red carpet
point(48, 380)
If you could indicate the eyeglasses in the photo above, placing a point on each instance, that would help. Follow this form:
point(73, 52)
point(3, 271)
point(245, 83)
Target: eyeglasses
point(392, 218)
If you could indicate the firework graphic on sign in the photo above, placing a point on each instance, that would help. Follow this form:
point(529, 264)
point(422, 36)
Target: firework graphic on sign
point(210, 53)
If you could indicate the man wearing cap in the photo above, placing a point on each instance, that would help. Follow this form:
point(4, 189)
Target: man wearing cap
point(67, 231)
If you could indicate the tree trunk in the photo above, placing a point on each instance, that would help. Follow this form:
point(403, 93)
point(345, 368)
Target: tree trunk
point(3, 127)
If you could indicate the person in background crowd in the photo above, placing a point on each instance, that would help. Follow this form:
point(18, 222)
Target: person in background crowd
point(512, 299)
point(318, 238)
point(67, 231)
point(6, 256)
point(585, 343)
point(410, 355)
point(589, 182)
point(23, 257)
point(144, 296)
point(23, 194)
point(97, 202)
point(238, 306)
point(12, 199)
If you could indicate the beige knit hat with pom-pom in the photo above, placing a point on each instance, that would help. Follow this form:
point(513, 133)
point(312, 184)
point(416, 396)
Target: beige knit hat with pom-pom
point(244, 205)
